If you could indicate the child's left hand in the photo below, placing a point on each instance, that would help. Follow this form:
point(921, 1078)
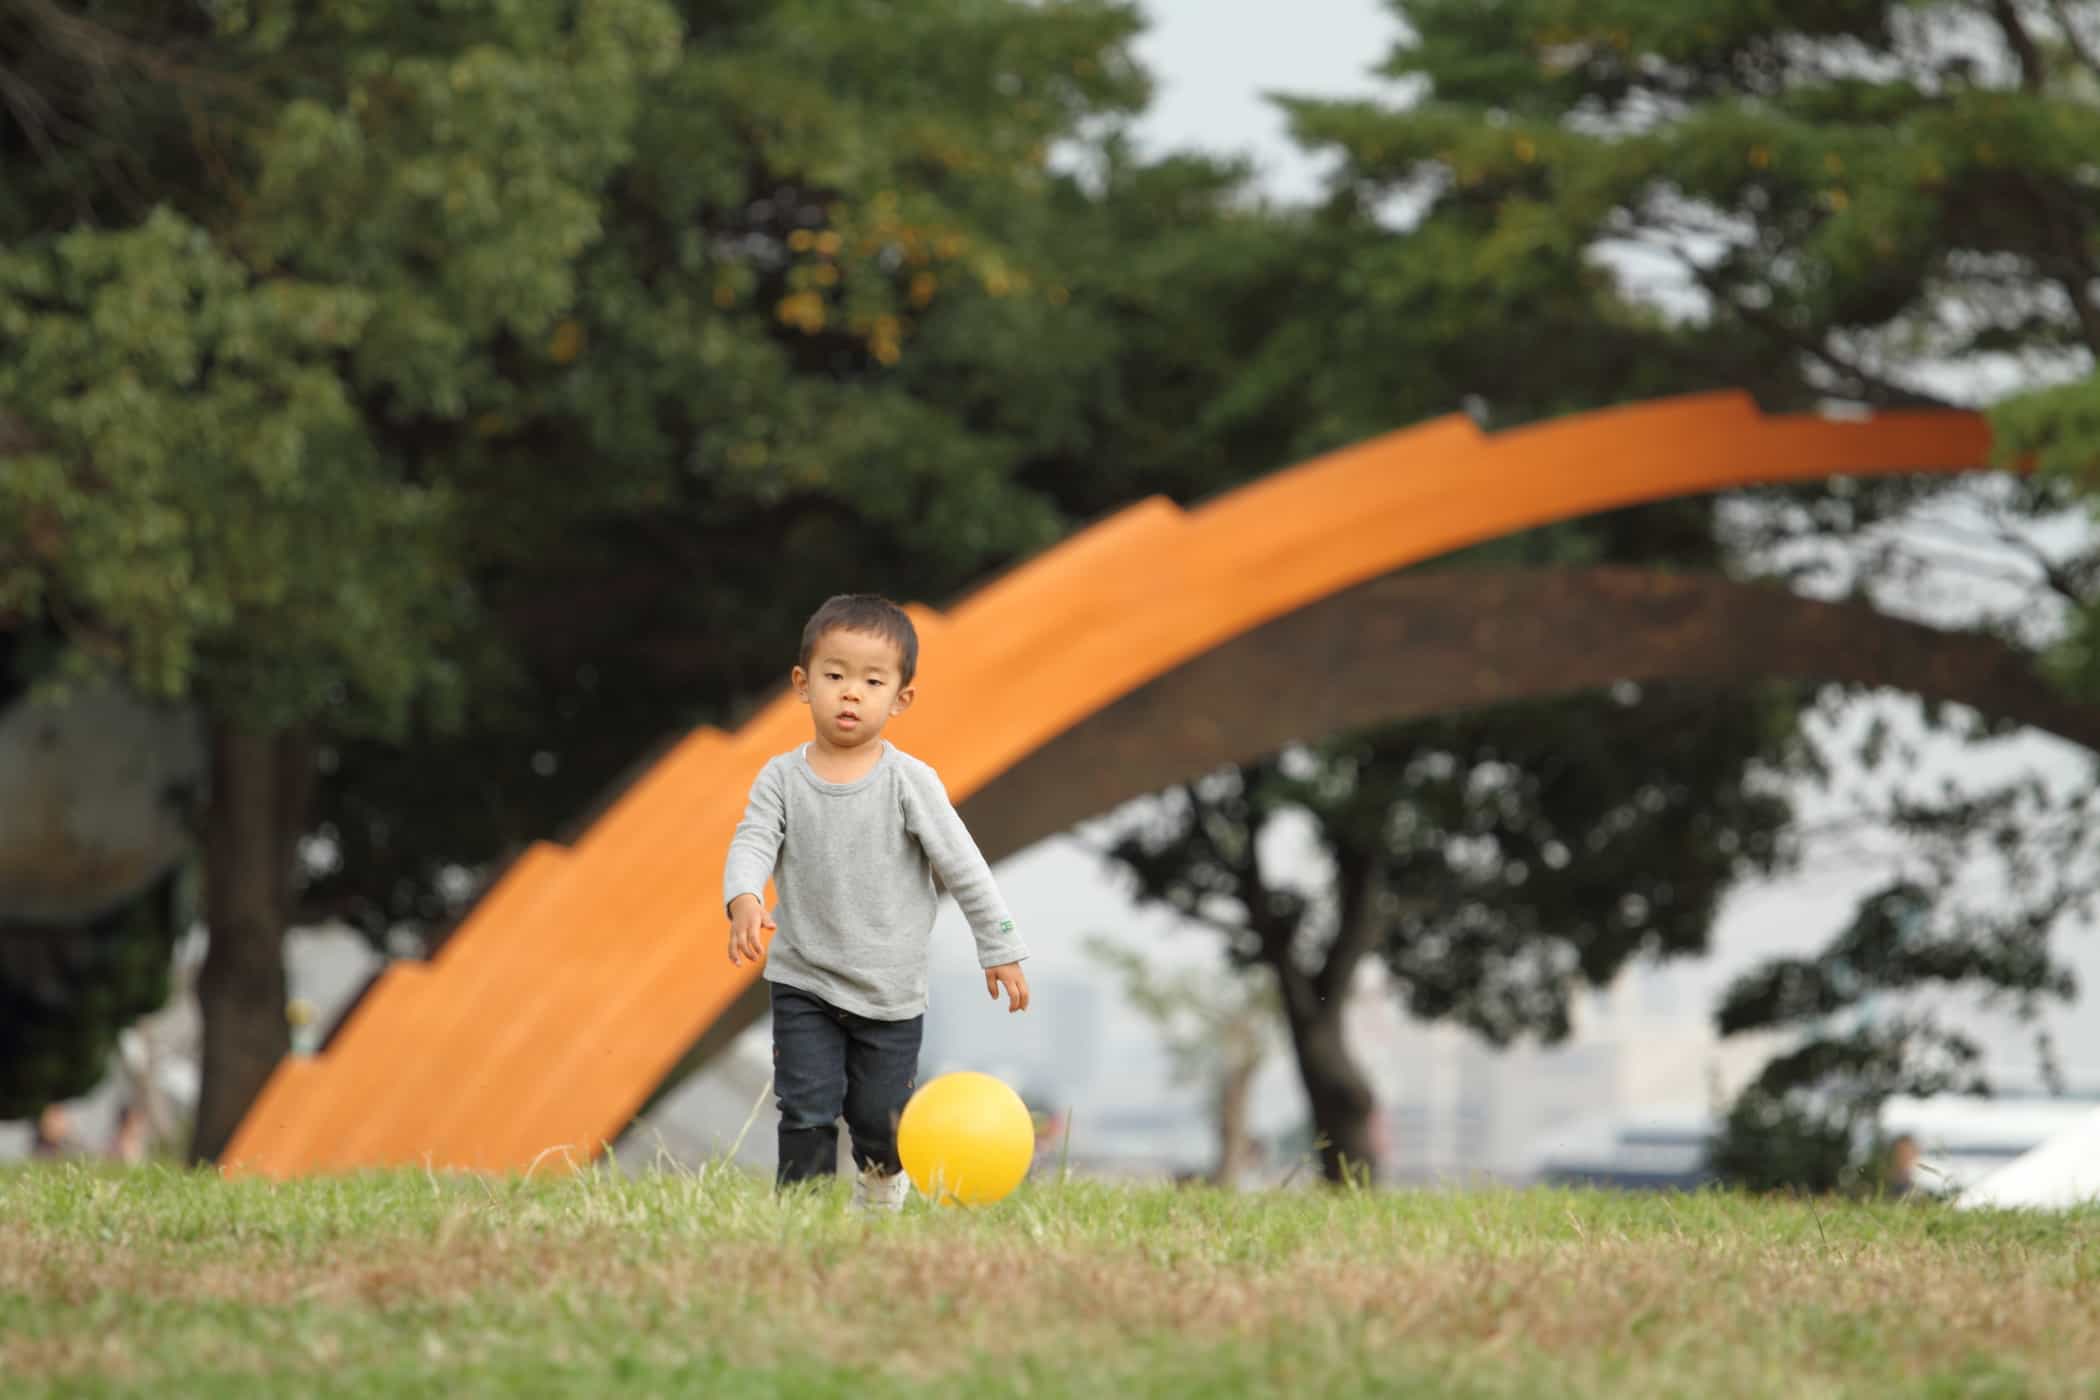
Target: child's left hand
point(1009, 976)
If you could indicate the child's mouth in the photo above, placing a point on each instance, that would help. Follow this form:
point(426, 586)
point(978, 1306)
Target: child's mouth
point(848, 721)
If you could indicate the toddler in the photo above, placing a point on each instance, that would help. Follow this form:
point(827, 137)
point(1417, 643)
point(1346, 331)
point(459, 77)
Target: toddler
point(853, 832)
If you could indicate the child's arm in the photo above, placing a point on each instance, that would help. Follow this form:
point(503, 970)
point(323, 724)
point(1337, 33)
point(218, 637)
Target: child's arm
point(939, 828)
point(753, 851)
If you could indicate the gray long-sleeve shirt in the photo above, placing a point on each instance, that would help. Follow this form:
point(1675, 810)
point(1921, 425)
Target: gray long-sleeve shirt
point(854, 865)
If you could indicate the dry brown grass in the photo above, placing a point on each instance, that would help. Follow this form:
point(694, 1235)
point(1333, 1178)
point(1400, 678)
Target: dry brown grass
point(1494, 1291)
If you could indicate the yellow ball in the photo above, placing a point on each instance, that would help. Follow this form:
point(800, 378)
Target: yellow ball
point(966, 1139)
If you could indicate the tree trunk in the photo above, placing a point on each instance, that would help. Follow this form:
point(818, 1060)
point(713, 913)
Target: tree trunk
point(1235, 1089)
point(1337, 1090)
point(261, 785)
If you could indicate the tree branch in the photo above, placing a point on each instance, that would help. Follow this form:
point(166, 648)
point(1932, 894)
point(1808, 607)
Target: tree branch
point(104, 51)
point(2034, 73)
point(33, 114)
point(2049, 573)
point(1193, 914)
point(1191, 910)
point(1949, 562)
point(2069, 260)
point(1866, 383)
point(2074, 284)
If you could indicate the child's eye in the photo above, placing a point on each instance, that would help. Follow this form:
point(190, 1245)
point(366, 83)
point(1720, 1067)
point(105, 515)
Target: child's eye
point(832, 676)
point(873, 683)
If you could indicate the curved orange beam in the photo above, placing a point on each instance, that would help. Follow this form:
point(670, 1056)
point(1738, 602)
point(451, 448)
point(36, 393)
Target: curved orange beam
point(580, 979)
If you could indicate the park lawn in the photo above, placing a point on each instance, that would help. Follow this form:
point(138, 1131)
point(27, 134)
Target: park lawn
point(157, 1282)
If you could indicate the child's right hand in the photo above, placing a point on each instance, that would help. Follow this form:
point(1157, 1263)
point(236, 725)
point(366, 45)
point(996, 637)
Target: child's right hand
point(747, 918)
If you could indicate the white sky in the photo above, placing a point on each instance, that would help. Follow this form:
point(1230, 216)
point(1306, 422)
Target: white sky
point(1213, 61)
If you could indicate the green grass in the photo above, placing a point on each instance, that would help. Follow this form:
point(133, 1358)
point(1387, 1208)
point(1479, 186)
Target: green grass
point(160, 1282)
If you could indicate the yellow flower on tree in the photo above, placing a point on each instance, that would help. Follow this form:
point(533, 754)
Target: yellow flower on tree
point(566, 343)
point(886, 340)
point(802, 310)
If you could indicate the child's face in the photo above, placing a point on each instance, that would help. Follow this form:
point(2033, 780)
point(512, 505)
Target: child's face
point(853, 687)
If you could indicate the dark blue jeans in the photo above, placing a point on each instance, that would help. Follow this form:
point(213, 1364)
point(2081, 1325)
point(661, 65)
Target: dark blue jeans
point(829, 1063)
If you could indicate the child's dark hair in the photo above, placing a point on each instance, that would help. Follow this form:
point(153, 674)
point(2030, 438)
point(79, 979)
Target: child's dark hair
point(872, 616)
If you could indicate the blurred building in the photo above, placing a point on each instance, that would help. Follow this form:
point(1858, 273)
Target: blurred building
point(1454, 1107)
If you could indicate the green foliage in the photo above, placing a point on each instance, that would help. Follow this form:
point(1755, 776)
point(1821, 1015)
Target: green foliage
point(1859, 202)
point(1811, 1121)
point(1853, 201)
point(1510, 856)
point(1835, 196)
point(228, 490)
point(489, 388)
point(1891, 947)
point(203, 505)
point(471, 341)
point(1771, 1142)
point(831, 360)
point(1557, 843)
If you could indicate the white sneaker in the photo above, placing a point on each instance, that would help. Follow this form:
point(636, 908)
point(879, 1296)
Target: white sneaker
point(873, 1191)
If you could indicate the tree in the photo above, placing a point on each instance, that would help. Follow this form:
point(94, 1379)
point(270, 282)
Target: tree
point(1864, 203)
point(1868, 203)
point(1217, 1032)
point(295, 422)
point(1811, 1119)
point(805, 290)
point(1861, 203)
point(1842, 229)
point(214, 487)
point(880, 284)
point(1277, 337)
point(1495, 863)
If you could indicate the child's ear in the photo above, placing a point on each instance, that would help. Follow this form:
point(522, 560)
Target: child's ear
point(903, 701)
point(799, 679)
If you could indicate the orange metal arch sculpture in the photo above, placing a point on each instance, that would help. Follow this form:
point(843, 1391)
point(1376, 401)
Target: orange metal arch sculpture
point(580, 979)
